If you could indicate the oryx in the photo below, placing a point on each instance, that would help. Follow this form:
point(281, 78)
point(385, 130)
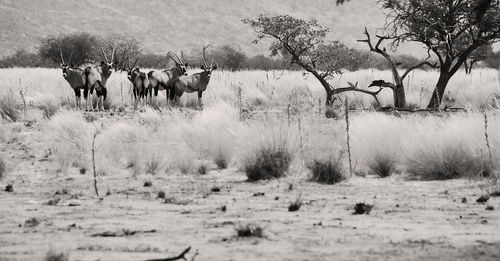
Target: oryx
point(140, 83)
point(197, 82)
point(75, 77)
point(163, 80)
point(97, 76)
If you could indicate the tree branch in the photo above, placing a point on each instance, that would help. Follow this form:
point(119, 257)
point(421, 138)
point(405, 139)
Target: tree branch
point(354, 87)
point(178, 257)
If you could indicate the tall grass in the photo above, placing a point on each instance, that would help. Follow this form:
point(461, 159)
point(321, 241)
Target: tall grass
point(70, 137)
point(261, 89)
point(178, 140)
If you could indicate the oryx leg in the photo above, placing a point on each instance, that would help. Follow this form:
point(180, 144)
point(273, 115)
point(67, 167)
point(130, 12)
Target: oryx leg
point(86, 97)
point(156, 88)
point(135, 98)
point(77, 97)
point(171, 95)
point(200, 105)
point(91, 98)
point(104, 96)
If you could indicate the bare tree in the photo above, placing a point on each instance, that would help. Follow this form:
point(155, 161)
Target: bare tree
point(450, 29)
point(397, 87)
point(304, 42)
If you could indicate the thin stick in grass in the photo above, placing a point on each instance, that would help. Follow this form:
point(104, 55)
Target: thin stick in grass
point(486, 138)
point(347, 134)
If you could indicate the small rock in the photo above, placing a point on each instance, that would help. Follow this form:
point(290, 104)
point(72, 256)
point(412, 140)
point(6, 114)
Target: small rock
point(9, 188)
point(464, 200)
point(490, 208)
point(215, 189)
point(53, 202)
point(148, 184)
point(32, 222)
point(74, 203)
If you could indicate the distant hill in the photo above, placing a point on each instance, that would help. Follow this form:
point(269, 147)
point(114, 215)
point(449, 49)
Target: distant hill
point(175, 24)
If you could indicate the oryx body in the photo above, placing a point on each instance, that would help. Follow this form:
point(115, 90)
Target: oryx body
point(96, 78)
point(76, 79)
point(163, 80)
point(140, 84)
point(197, 82)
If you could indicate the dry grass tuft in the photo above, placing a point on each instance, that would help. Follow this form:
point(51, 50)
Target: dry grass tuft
point(269, 163)
point(55, 256)
point(10, 107)
point(249, 230)
point(327, 171)
point(382, 164)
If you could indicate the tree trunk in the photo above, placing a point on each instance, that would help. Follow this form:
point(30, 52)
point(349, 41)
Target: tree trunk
point(437, 94)
point(399, 96)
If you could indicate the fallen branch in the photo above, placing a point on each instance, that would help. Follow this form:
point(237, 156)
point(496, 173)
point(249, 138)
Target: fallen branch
point(354, 87)
point(180, 256)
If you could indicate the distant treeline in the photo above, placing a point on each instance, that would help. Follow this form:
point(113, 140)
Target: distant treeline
point(86, 48)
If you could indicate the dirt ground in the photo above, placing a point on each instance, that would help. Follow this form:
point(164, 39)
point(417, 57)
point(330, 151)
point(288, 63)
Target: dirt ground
point(411, 220)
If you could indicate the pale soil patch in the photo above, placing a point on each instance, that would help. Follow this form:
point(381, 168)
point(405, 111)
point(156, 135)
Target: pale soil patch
point(410, 220)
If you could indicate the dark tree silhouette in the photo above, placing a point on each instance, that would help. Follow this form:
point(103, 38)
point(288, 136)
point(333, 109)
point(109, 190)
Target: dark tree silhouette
point(398, 88)
point(450, 29)
point(81, 44)
point(304, 42)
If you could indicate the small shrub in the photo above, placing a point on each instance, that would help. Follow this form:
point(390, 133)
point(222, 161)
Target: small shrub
point(362, 208)
point(221, 161)
point(148, 184)
point(153, 165)
point(32, 222)
point(448, 162)
point(54, 256)
point(483, 199)
point(295, 205)
point(327, 171)
point(249, 230)
point(161, 194)
point(382, 164)
point(202, 169)
point(268, 164)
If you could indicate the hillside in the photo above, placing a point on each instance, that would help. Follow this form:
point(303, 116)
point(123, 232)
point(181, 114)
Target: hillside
point(173, 24)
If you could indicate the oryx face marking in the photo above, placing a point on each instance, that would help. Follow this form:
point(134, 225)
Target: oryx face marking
point(107, 67)
point(182, 68)
point(65, 69)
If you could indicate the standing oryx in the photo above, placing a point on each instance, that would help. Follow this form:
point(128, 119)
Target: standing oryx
point(75, 78)
point(163, 80)
point(140, 83)
point(194, 83)
point(97, 76)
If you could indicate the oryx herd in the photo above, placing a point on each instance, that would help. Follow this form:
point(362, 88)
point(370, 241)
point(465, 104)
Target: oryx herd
point(174, 81)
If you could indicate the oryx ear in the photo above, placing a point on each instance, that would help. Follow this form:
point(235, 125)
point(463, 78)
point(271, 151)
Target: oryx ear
point(72, 65)
point(203, 67)
point(186, 64)
point(214, 67)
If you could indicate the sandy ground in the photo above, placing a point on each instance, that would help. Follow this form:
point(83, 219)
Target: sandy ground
point(411, 220)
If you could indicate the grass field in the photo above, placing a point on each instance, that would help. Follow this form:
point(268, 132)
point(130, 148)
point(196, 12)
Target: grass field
point(175, 178)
